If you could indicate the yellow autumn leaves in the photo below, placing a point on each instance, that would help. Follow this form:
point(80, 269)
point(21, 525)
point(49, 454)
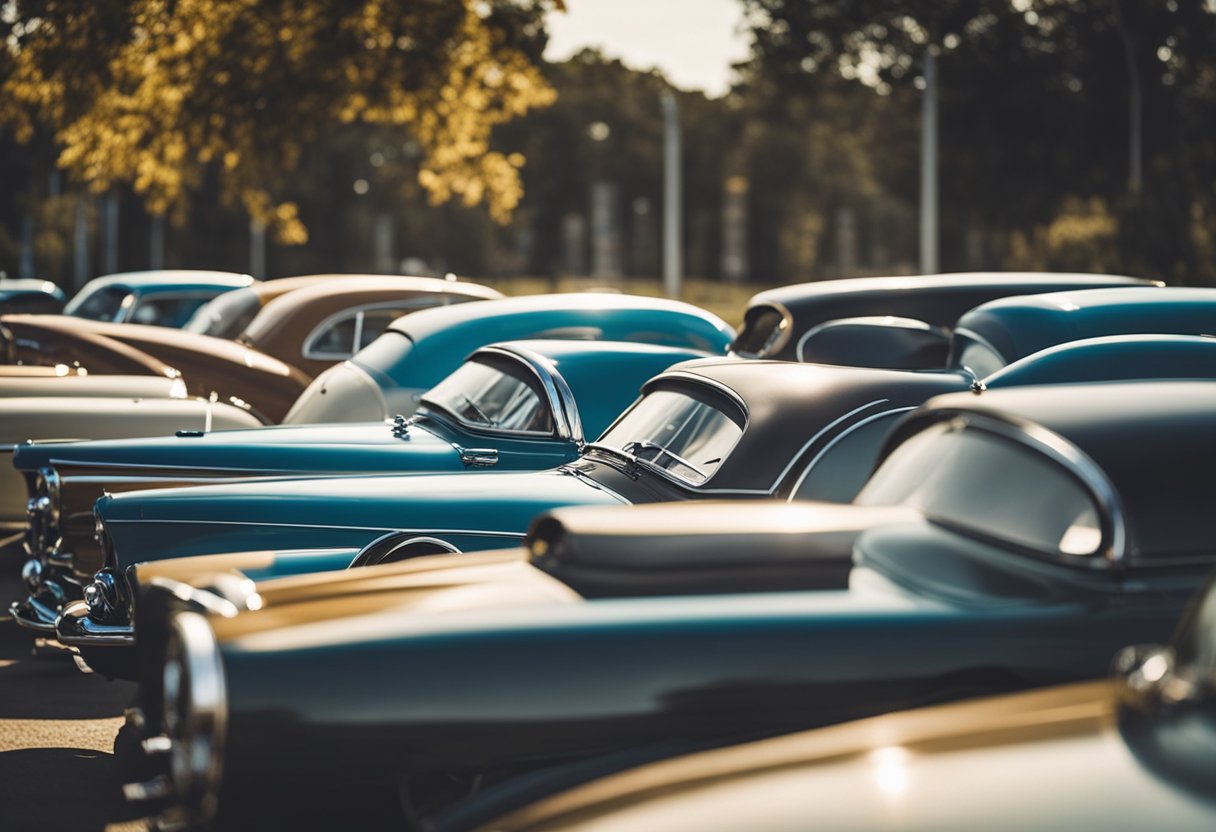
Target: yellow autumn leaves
point(156, 94)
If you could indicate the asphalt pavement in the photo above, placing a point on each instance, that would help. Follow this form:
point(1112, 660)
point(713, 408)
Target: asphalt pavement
point(57, 730)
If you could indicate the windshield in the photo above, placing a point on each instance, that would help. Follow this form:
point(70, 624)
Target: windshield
point(997, 487)
point(226, 315)
point(492, 393)
point(104, 304)
point(677, 433)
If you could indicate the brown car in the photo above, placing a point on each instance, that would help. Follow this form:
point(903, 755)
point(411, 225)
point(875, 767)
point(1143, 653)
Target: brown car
point(293, 337)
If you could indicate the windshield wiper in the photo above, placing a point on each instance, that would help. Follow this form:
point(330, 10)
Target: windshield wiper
point(646, 445)
point(481, 414)
point(630, 461)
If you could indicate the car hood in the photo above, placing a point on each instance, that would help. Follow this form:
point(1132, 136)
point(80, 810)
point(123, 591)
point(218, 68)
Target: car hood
point(434, 584)
point(335, 511)
point(354, 447)
point(913, 763)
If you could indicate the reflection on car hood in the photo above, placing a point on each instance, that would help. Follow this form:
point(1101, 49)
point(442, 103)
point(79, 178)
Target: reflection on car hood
point(346, 447)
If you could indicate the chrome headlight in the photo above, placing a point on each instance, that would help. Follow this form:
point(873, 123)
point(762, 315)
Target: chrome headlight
point(195, 713)
point(42, 511)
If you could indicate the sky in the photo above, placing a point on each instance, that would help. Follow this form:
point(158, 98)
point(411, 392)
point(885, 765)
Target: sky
point(693, 42)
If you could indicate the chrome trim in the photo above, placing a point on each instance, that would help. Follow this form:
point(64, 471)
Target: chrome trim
point(360, 560)
point(855, 426)
point(686, 375)
point(560, 398)
point(75, 628)
point(225, 595)
point(197, 731)
point(321, 526)
point(35, 614)
point(477, 457)
point(818, 435)
point(783, 337)
point(358, 313)
point(1074, 461)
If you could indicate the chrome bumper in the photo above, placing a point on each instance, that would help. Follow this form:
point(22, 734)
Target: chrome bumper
point(75, 628)
point(40, 609)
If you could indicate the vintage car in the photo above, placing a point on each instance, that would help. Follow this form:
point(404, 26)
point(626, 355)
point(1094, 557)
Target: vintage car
point(31, 296)
point(164, 297)
point(778, 323)
point(710, 428)
point(323, 319)
point(516, 406)
point(1144, 740)
point(1048, 527)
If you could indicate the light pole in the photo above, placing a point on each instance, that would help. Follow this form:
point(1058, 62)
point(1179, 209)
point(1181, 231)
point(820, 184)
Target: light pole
point(928, 168)
point(672, 267)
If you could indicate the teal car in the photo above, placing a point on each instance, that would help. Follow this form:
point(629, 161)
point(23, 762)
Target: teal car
point(516, 406)
point(714, 428)
point(163, 297)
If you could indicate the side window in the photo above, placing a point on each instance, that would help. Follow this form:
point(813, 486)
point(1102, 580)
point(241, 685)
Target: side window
point(104, 304)
point(839, 471)
point(375, 321)
point(345, 334)
point(334, 340)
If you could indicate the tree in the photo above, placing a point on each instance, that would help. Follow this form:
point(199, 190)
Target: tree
point(153, 93)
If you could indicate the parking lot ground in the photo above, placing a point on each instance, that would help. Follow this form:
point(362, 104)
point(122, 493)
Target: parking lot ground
point(57, 729)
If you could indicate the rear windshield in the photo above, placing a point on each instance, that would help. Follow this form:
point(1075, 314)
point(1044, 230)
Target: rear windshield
point(998, 488)
point(763, 332)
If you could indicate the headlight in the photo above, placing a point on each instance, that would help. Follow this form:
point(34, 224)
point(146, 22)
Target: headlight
point(195, 713)
point(102, 535)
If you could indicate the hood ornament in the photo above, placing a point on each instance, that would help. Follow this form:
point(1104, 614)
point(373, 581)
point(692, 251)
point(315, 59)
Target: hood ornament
point(401, 427)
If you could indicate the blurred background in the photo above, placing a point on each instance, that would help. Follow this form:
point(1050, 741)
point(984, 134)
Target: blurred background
point(532, 142)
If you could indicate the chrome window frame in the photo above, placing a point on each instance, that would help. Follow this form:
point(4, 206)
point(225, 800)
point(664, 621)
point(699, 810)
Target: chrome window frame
point(556, 393)
point(783, 338)
point(695, 380)
point(1112, 550)
point(407, 305)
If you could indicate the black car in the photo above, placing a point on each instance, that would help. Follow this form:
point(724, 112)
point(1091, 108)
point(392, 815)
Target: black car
point(1032, 533)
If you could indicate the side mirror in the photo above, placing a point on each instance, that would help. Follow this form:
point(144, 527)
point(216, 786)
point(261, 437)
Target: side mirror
point(883, 342)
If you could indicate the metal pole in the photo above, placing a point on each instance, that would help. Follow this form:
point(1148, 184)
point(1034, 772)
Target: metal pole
point(81, 270)
point(257, 249)
point(928, 169)
point(672, 267)
point(110, 207)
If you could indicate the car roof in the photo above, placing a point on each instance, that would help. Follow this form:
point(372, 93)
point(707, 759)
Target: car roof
point(792, 408)
point(332, 293)
point(430, 322)
point(1155, 441)
point(171, 279)
point(937, 299)
point(1019, 326)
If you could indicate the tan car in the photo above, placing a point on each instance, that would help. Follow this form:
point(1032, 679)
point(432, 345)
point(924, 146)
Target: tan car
point(323, 320)
point(95, 407)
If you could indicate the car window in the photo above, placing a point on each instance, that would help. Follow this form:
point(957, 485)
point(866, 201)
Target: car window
point(165, 310)
point(226, 315)
point(839, 471)
point(977, 357)
point(685, 436)
point(104, 304)
point(335, 340)
point(492, 393)
point(375, 321)
point(344, 335)
point(975, 480)
point(763, 332)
